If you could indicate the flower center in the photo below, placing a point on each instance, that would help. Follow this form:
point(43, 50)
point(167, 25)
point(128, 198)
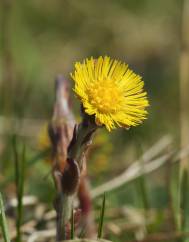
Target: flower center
point(104, 95)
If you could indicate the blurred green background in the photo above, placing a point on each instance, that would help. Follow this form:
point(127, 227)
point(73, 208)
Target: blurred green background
point(40, 39)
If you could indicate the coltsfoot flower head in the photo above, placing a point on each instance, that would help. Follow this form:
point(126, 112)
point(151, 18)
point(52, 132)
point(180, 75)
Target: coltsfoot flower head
point(111, 91)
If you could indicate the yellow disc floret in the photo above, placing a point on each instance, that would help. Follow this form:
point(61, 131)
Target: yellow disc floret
point(104, 95)
point(112, 92)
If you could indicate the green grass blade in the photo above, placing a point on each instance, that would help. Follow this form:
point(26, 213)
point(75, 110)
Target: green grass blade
point(3, 221)
point(72, 225)
point(21, 193)
point(142, 191)
point(100, 227)
point(32, 161)
point(19, 181)
point(184, 205)
point(16, 163)
point(140, 182)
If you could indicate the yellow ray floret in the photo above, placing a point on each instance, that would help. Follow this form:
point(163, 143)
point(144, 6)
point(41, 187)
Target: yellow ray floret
point(111, 91)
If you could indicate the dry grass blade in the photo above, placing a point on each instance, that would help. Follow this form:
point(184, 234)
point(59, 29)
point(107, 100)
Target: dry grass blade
point(20, 127)
point(42, 234)
point(162, 237)
point(135, 170)
point(132, 171)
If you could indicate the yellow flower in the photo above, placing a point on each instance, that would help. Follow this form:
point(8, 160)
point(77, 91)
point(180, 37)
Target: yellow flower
point(111, 91)
point(43, 139)
point(44, 142)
